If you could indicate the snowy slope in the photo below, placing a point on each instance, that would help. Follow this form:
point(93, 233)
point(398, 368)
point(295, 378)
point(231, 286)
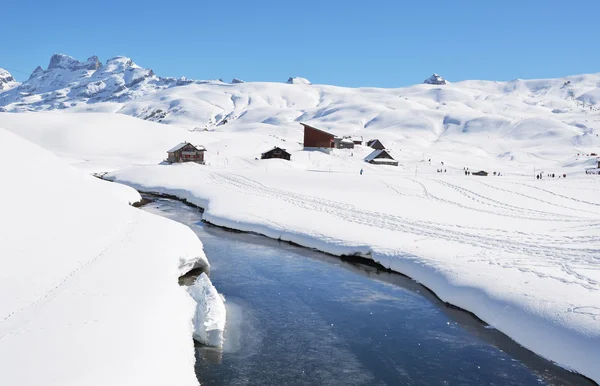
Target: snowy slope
point(89, 284)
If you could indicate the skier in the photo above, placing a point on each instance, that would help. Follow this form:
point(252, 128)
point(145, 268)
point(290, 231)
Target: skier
point(361, 172)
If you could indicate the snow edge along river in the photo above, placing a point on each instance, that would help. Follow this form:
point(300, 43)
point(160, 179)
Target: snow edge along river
point(527, 328)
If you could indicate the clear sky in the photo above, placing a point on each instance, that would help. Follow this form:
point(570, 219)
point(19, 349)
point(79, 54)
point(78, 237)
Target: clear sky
point(382, 43)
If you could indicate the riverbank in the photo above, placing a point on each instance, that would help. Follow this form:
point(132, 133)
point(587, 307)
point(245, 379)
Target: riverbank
point(498, 268)
point(89, 290)
point(298, 316)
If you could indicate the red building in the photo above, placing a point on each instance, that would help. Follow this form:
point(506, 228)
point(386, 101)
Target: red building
point(315, 139)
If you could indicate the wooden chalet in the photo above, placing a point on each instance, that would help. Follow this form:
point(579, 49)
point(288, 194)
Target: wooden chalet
point(381, 157)
point(186, 152)
point(316, 139)
point(480, 173)
point(376, 144)
point(276, 152)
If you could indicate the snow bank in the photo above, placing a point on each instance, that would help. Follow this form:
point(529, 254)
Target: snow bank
point(88, 284)
point(521, 255)
point(210, 316)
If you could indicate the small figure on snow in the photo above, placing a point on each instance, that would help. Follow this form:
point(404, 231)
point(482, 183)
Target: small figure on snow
point(361, 172)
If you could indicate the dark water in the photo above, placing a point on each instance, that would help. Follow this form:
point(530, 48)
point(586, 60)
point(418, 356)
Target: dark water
point(298, 317)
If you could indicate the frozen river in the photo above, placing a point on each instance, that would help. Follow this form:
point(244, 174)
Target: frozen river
point(299, 317)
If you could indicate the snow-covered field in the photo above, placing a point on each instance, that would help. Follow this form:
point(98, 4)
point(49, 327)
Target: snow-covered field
point(88, 284)
point(522, 254)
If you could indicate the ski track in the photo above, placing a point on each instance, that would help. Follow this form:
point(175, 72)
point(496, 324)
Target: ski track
point(519, 250)
point(537, 198)
point(557, 194)
point(500, 209)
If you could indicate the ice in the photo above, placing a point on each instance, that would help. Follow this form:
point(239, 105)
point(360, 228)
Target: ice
point(210, 316)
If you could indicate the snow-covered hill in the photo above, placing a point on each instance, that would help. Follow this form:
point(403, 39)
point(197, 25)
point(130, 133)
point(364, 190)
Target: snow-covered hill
point(70, 312)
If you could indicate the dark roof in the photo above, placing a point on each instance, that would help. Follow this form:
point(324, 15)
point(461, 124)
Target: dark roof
point(314, 128)
point(275, 148)
point(374, 142)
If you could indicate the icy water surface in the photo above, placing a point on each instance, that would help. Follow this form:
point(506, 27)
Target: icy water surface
point(299, 317)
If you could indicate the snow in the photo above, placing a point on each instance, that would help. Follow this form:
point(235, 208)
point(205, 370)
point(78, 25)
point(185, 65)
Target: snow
point(297, 80)
point(7, 81)
point(435, 79)
point(89, 285)
point(210, 317)
point(68, 82)
point(521, 255)
point(374, 155)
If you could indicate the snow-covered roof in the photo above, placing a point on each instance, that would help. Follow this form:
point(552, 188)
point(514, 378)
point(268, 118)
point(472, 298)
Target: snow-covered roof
point(314, 128)
point(374, 155)
point(178, 147)
point(182, 144)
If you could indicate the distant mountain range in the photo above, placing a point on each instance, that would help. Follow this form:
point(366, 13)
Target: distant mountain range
point(531, 111)
point(68, 82)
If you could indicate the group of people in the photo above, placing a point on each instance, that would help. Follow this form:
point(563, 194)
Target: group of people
point(549, 175)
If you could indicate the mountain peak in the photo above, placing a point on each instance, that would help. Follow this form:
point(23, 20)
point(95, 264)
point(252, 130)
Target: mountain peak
point(6, 80)
point(69, 63)
point(435, 79)
point(298, 80)
point(38, 71)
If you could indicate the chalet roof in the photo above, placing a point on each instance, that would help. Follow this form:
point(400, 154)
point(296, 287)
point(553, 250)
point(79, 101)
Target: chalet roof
point(314, 128)
point(356, 138)
point(376, 154)
point(182, 145)
point(275, 148)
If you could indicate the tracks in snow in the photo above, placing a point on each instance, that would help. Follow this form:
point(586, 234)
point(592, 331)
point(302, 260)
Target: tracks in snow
point(53, 291)
point(546, 252)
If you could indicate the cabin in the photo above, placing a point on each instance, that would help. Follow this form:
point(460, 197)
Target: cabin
point(343, 143)
point(381, 157)
point(186, 152)
point(480, 173)
point(376, 144)
point(316, 139)
point(593, 170)
point(357, 140)
point(276, 152)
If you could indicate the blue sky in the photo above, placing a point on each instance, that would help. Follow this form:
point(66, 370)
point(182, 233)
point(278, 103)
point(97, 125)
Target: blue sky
point(349, 43)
